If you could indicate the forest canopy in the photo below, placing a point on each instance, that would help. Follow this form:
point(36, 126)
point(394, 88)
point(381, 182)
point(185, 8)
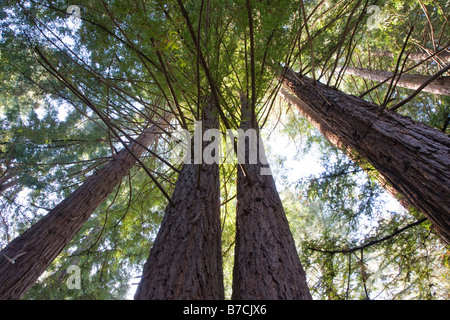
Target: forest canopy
point(84, 82)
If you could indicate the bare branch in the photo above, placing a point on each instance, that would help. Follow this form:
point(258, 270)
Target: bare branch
point(373, 242)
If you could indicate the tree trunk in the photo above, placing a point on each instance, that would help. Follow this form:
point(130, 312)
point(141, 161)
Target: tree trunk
point(266, 262)
point(186, 259)
point(417, 56)
point(412, 157)
point(355, 157)
point(28, 256)
point(409, 81)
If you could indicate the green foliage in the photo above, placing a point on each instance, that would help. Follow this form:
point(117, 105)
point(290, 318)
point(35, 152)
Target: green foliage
point(133, 62)
point(346, 228)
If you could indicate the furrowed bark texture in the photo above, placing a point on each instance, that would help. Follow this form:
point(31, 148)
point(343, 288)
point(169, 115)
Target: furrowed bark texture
point(185, 262)
point(412, 157)
point(293, 100)
point(266, 262)
point(28, 256)
point(410, 81)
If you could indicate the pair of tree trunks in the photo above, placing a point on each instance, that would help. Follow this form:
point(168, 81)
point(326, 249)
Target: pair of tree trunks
point(186, 262)
point(411, 157)
point(25, 258)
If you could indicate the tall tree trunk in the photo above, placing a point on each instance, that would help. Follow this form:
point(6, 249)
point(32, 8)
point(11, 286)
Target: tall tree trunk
point(28, 256)
point(186, 259)
point(267, 265)
point(412, 157)
point(410, 81)
point(363, 163)
point(417, 56)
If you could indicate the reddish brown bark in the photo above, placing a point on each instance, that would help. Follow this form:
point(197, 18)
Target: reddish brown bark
point(267, 265)
point(186, 259)
point(410, 81)
point(28, 256)
point(417, 56)
point(412, 157)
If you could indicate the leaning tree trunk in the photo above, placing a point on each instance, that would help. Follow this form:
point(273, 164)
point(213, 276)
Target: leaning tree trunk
point(28, 256)
point(286, 95)
point(185, 262)
point(266, 261)
point(417, 56)
point(409, 81)
point(412, 157)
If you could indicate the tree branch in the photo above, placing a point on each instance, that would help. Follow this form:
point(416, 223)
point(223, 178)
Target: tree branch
point(430, 79)
point(373, 242)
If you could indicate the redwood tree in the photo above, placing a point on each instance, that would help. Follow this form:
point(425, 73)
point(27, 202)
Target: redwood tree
point(410, 81)
point(186, 259)
point(28, 256)
point(267, 265)
point(417, 56)
point(412, 157)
